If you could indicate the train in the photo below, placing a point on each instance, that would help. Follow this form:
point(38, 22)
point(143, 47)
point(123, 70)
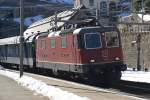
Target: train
point(86, 51)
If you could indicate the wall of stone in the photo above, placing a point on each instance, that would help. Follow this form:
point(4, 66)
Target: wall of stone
point(130, 49)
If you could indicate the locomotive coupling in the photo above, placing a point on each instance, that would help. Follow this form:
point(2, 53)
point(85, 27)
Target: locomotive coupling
point(124, 67)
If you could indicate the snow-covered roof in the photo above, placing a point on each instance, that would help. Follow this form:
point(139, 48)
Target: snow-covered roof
point(10, 40)
point(48, 23)
point(65, 15)
point(145, 17)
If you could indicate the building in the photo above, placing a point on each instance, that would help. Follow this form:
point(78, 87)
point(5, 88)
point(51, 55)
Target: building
point(102, 5)
point(106, 8)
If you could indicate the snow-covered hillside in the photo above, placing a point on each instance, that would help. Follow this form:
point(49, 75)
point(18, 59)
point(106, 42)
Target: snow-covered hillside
point(59, 1)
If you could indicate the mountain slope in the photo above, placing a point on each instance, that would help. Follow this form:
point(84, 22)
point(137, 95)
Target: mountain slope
point(34, 2)
point(59, 1)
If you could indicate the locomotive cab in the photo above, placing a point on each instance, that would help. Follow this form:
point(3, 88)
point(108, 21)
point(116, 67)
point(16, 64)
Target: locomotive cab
point(101, 53)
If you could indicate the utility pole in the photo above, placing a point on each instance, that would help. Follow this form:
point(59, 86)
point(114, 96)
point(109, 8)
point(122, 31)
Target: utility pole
point(138, 52)
point(139, 40)
point(21, 37)
point(97, 16)
point(55, 21)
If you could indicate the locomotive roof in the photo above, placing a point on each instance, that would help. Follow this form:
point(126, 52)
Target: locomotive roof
point(10, 40)
point(95, 29)
point(82, 30)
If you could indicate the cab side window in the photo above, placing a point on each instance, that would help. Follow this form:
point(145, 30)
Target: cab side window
point(53, 42)
point(63, 42)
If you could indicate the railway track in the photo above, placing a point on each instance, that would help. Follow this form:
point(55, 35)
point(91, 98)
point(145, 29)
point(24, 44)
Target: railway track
point(135, 88)
point(141, 90)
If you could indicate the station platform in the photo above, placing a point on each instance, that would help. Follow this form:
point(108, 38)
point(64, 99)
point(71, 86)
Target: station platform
point(10, 90)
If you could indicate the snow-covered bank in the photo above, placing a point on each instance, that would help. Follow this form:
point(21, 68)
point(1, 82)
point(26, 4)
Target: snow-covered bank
point(137, 76)
point(42, 88)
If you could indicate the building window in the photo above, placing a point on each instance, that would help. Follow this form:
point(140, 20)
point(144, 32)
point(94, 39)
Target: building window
point(63, 42)
point(112, 6)
point(78, 3)
point(91, 2)
point(53, 43)
point(112, 9)
point(103, 8)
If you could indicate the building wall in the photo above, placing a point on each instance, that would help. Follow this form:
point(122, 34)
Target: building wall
point(129, 37)
point(96, 3)
point(129, 33)
point(130, 48)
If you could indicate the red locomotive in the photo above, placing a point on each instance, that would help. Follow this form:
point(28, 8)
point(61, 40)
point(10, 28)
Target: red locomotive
point(89, 52)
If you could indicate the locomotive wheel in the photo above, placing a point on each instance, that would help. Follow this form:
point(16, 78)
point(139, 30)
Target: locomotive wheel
point(108, 77)
point(111, 77)
point(92, 79)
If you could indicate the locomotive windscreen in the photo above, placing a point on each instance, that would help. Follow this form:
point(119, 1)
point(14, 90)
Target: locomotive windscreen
point(96, 37)
point(112, 39)
point(92, 40)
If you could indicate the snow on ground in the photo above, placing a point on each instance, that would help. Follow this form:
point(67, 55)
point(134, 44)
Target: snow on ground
point(145, 17)
point(137, 76)
point(40, 87)
point(29, 20)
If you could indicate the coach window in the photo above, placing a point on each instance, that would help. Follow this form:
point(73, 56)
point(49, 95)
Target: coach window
point(63, 42)
point(53, 42)
point(91, 2)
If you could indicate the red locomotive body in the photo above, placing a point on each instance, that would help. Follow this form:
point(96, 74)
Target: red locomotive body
point(91, 52)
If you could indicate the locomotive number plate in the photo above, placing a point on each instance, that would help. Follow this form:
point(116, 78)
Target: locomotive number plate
point(105, 54)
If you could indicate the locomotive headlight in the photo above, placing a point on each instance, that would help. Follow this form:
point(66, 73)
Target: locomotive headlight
point(92, 60)
point(117, 58)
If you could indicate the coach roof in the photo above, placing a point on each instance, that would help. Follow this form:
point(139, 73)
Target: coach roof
point(10, 40)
